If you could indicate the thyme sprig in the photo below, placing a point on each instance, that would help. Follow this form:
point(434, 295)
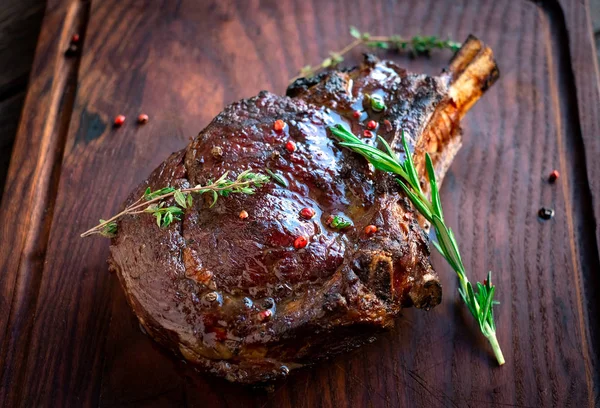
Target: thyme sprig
point(480, 303)
point(154, 202)
point(417, 45)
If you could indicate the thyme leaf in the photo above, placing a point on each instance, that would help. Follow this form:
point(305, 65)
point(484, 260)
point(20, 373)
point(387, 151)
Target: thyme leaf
point(180, 198)
point(151, 195)
point(109, 230)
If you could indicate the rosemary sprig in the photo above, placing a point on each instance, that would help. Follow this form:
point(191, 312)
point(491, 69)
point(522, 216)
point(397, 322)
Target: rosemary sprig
point(417, 44)
point(480, 303)
point(153, 202)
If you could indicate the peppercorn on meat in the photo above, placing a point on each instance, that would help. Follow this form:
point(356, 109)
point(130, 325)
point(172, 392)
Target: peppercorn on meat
point(320, 258)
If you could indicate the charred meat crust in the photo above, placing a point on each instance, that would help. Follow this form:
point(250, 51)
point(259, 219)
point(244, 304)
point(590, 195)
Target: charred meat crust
point(234, 296)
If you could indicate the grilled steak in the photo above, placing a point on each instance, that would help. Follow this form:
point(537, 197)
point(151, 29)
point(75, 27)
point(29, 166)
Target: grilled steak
point(235, 296)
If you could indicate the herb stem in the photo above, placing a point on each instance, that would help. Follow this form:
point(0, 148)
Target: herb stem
point(495, 346)
point(129, 210)
point(479, 301)
point(416, 44)
point(350, 46)
point(243, 184)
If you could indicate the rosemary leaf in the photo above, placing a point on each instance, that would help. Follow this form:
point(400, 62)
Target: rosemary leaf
point(488, 305)
point(479, 303)
point(375, 157)
point(416, 201)
point(435, 193)
point(409, 167)
point(385, 144)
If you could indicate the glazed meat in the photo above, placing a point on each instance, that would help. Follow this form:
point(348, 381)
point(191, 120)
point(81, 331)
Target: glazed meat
point(235, 296)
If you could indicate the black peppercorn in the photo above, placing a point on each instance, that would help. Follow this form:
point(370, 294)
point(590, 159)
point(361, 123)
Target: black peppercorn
point(546, 213)
point(71, 51)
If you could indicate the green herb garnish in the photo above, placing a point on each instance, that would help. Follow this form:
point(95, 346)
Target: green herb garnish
point(153, 202)
point(277, 178)
point(480, 303)
point(416, 45)
point(377, 103)
point(109, 229)
point(339, 222)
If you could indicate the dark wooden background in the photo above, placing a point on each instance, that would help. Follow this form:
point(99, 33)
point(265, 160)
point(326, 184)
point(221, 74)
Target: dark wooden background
point(67, 337)
point(20, 22)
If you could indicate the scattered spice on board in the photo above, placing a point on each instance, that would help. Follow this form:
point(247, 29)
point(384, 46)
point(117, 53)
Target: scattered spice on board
point(143, 118)
point(119, 120)
point(71, 51)
point(546, 213)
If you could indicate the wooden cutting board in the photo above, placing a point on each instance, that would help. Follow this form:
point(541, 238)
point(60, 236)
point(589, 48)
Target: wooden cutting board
point(67, 336)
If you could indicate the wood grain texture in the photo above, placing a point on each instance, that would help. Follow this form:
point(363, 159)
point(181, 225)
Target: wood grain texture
point(31, 190)
point(19, 27)
point(68, 337)
point(20, 22)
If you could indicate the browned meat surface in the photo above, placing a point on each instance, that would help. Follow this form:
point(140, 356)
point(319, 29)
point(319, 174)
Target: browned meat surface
point(234, 296)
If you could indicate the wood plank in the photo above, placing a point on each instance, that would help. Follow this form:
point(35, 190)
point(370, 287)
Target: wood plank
point(19, 29)
point(20, 22)
point(10, 110)
point(181, 63)
point(585, 79)
point(31, 189)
